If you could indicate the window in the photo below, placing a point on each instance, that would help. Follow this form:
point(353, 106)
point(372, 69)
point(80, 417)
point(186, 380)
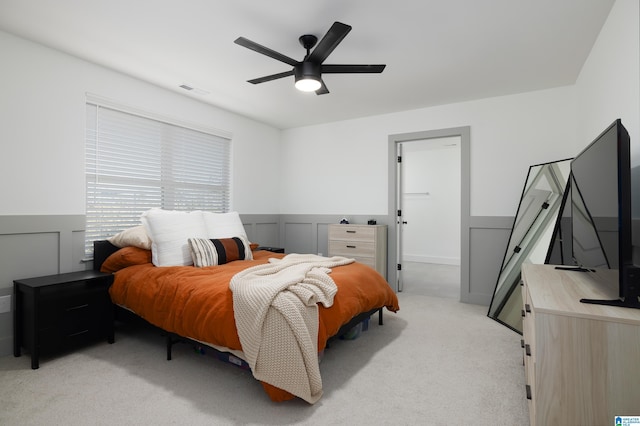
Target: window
point(134, 163)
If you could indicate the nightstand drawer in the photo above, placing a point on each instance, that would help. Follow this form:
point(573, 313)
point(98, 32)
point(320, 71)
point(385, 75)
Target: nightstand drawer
point(75, 327)
point(72, 300)
point(75, 288)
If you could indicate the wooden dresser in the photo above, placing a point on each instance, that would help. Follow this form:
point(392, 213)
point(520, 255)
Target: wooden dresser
point(365, 243)
point(582, 361)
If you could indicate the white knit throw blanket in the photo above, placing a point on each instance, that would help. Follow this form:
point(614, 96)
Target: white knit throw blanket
point(276, 313)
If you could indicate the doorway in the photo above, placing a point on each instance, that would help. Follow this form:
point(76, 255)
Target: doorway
point(429, 191)
point(395, 218)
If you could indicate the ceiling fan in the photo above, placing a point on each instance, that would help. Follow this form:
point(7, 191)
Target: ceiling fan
point(308, 72)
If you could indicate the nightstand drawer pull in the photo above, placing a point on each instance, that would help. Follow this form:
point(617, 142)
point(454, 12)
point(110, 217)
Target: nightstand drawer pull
point(527, 308)
point(77, 307)
point(522, 343)
point(351, 246)
point(523, 314)
point(350, 232)
point(528, 390)
point(527, 350)
point(78, 333)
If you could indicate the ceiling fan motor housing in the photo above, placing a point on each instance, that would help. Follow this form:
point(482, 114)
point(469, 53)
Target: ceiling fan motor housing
point(306, 70)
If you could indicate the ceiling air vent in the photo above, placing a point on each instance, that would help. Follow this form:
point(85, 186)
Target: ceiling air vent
point(194, 89)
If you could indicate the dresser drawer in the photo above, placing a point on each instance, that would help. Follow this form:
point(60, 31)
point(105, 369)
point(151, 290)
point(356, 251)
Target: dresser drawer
point(351, 248)
point(352, 233)
point(529, 352)
point(369, 261)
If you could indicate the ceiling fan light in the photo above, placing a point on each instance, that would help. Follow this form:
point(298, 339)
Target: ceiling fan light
point(308, 84)
point(307, 75)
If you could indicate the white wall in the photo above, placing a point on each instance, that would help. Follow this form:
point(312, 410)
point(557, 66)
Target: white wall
point(337, 168)
point(42, 113)
point(341, 168)
point(608, 86)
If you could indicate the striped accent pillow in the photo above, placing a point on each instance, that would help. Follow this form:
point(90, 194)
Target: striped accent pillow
point(211, 252)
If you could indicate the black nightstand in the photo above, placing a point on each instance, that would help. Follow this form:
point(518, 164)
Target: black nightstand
point(273, 249)
point(59, 312)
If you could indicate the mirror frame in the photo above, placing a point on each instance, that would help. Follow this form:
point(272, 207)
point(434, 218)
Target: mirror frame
point(535, 226)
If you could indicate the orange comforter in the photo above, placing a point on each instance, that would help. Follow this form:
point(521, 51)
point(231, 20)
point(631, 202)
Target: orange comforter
point(197, 302)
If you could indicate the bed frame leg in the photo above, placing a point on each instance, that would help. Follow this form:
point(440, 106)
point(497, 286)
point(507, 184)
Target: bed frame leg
point(169, 344)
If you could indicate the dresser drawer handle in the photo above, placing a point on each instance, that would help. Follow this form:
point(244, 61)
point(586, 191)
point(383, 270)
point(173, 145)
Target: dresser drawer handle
point(351, 246)
point(79, 333)
point(351, 232)
point(527, 350)
point(522, 343)
point(528, 390)
point(523, 314)
point(527, 307)
point(77, 307)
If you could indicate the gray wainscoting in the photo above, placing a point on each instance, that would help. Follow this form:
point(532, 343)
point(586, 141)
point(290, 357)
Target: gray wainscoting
point(33, 246)
point(309, 233)
point(488, 240)
point(263, 229)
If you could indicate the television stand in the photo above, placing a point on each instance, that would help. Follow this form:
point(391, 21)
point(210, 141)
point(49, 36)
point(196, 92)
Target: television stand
point(574, 269)
point(616, 302)
point(581, 360)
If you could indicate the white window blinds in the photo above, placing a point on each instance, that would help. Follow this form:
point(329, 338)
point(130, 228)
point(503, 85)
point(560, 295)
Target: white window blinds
point(134, 163)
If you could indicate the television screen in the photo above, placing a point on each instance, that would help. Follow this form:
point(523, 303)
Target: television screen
point(601, 212)
point(594, 203)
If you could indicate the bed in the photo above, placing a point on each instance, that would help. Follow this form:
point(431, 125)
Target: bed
point(202, 305)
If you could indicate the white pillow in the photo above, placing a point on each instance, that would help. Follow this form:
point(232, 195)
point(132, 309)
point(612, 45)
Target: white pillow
point(224, 225)
point(169, 232)
point(136, 237)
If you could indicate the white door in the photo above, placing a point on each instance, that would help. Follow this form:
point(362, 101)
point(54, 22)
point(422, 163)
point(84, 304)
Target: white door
point(399, 219)
point(428, 198)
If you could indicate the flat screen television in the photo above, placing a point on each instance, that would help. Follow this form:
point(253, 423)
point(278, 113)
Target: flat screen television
point(601, 214)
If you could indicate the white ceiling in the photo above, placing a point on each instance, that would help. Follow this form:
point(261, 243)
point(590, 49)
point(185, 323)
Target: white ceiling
point(437, 51)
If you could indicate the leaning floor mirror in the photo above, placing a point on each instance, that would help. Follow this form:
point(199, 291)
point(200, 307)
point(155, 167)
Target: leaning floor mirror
point(532, 236)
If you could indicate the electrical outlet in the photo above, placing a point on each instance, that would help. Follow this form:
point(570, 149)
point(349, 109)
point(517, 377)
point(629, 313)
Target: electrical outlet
point(5, 304)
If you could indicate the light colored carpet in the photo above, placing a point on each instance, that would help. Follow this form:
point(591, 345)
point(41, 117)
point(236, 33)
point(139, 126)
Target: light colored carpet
point(431, 279)
point(436, 362)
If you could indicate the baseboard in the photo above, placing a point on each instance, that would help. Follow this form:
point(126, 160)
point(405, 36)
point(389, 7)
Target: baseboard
point(431, 259)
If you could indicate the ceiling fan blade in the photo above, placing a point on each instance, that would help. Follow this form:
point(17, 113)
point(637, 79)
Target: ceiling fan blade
point(323, 89)
point(265, 51)
point(349, 69)
point(271, 77)
point(331, 39)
